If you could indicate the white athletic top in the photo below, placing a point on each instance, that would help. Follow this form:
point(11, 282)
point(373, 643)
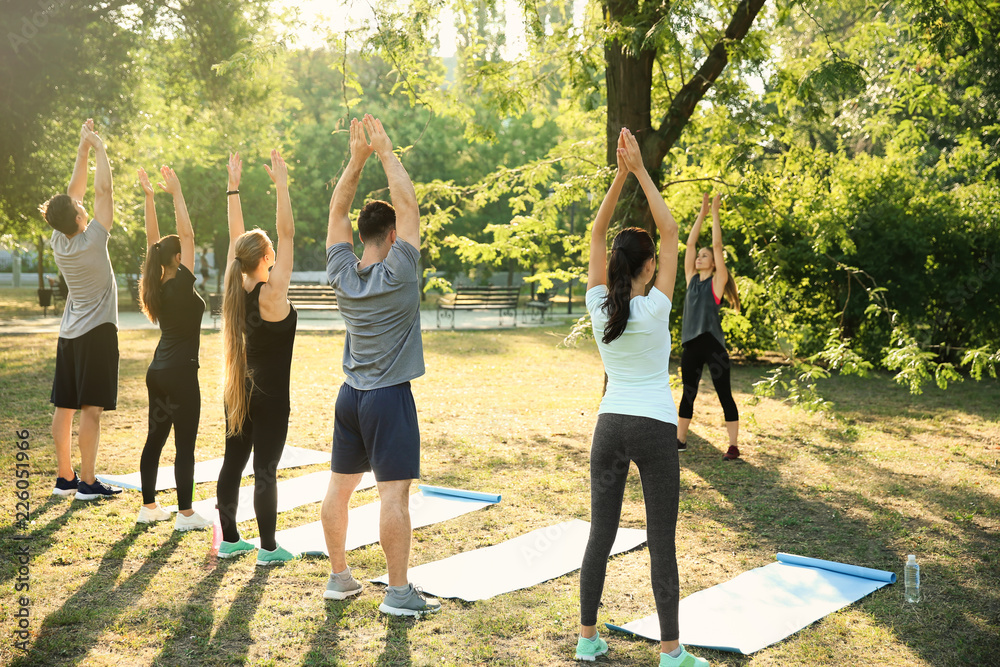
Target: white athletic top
point(638, 361)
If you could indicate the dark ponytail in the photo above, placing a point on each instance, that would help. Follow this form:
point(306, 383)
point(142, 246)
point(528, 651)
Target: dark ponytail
point(159, 255)
point(631, 249)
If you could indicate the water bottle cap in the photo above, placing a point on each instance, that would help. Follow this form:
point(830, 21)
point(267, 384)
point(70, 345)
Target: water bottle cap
point(911, 559)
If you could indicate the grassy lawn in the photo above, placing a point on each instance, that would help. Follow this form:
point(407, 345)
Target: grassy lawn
point(885, 475)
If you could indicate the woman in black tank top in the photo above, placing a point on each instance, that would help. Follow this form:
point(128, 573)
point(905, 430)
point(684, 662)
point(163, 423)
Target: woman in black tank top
point(708, 280)
point(258, 328)
point(168, 298)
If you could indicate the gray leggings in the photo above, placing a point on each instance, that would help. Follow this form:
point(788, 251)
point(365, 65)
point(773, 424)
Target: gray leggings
point(652, 444)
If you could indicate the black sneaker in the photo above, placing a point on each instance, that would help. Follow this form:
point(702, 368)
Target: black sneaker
point(682, 446)
point(65, 487)
point(96, 490)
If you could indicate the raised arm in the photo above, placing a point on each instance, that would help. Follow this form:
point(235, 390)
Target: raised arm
point(721, 272)
point(339, 228)
point(77, 187)
point(666, 274)
point(691, 249)
point(404, 198)
point(281, 272)
point(152, 228)
point(184, 229)
point(233, 207)
point(597, 272)
point(104, 203)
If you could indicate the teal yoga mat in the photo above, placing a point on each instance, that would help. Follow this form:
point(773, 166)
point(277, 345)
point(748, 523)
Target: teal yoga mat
point(766, 605)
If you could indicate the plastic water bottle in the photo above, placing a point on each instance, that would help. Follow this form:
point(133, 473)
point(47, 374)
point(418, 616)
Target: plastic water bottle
point(912, 578)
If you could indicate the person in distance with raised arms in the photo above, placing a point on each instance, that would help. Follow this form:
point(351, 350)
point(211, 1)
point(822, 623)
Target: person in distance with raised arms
point(637, 420)
point(258, 332)
point(168, 298)
point(86, 377)
point(708, 281)
point(376, 419)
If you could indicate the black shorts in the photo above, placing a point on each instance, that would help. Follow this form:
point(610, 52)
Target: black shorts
point(376, 430)
point(87, 370)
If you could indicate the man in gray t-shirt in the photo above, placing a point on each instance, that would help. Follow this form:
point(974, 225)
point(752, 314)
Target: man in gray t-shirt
point(376, 418)
point(86, 377)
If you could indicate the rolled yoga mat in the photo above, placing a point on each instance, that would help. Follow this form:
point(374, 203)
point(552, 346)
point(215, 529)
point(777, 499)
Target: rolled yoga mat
point(766, 605)
point(426, 507)
point(521, 562)
point(208, 471)
point(292, 493)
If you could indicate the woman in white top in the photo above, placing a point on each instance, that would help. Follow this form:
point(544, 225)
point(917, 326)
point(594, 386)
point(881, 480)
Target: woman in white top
point(637, 420)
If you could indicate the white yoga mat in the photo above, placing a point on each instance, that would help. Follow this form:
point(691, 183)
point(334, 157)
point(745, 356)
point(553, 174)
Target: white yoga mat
point(426, 507)
point(765, 605)
point(208, 471)
point(292, 493)
point(521, 562)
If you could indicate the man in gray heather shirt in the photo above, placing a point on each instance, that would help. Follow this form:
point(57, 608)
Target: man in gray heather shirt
point(86, 377)
point(376, 419)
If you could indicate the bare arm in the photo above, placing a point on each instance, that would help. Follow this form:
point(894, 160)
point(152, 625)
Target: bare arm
point(691, 249)
point(152, 228)
point(597, 271)
point(78, 181)
point(404, 198)
point(234, 208)
point(666, 274)
point(104, 203)
point(184, 229)
point(339, 228)
point(721, 272)
point(281, 273)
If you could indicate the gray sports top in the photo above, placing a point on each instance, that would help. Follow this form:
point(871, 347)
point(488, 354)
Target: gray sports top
point(701, 312)
point(84, 262)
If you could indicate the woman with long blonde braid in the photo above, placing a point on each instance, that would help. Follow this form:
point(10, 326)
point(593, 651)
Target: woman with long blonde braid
point(258, 328)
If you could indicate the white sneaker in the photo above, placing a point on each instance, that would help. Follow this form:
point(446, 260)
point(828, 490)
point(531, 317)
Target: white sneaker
point(147, 515)
point(193, 522)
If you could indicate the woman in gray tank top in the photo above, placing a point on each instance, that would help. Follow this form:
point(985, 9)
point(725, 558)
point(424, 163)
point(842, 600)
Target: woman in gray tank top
point(708, 280)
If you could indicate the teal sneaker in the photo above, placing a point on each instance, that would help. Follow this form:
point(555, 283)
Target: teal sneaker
point(279, 555)
point(230, 549)
point(589, 649)
point(685, 659)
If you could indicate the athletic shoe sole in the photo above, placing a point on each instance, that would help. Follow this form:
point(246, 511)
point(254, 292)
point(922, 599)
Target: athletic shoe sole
point(590, 658)
point(266, 563)
point(184, 529)
point(63, 492)
point(399, 611)
point(233, 554)
point(340, 595)
point(94, 496)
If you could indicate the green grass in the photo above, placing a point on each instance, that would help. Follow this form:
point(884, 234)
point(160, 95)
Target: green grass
point(884, 475)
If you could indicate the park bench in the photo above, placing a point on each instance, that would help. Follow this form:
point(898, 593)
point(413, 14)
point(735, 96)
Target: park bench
point(303, 297)
point(502, 299)
point(537, 307)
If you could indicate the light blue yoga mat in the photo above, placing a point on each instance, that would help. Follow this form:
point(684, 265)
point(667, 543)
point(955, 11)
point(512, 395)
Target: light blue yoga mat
point(521, 562)
point(426, 507)
point(765, 605)
point(208, 471)
point(292, 493)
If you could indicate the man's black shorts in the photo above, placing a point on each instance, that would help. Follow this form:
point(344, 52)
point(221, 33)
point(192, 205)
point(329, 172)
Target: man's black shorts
point(87, 369)
point(376, 430)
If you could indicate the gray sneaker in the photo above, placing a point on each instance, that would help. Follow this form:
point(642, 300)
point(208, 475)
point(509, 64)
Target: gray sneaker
point(341, 589)
point(410, 603)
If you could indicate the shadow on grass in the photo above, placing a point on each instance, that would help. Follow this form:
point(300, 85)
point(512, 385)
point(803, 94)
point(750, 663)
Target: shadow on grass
point(768, 510)
point(38, 540)
point(197, 618)
point(325, 648)
point(71, 631)
point(396, 652)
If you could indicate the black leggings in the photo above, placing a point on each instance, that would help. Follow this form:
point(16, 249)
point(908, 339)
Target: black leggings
point(174, 399)
point(264, 433)
point(705, 349)
point(619, 439)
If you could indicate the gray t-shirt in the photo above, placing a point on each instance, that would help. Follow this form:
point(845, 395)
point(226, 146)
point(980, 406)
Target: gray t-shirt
point(381, 306)
point(85, 263)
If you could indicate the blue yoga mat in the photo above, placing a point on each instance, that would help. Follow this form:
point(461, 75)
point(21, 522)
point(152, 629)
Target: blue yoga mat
point(460, 493)
point(765, 605)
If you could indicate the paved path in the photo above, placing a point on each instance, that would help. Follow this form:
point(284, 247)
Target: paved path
point(308, 321)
